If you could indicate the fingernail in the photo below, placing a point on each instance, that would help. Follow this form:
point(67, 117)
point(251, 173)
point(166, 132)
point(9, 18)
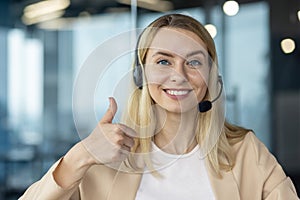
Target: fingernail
point(110, 100)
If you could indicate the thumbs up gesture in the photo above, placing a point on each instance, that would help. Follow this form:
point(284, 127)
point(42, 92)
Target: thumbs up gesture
point(109, 142)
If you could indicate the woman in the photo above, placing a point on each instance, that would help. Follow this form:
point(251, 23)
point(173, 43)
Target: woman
point(176, 152)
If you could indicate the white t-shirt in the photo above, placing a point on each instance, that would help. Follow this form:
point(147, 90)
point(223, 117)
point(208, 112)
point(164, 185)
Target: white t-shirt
point(183, 177)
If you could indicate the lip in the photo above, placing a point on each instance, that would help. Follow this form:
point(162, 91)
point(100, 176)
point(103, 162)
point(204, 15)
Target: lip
point(177, 94)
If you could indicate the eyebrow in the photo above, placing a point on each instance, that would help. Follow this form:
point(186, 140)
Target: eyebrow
point(188, 55)
point(195, 53)
point(162, 53)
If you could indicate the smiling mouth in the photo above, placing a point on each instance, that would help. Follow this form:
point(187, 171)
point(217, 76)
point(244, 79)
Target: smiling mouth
point(177, 92)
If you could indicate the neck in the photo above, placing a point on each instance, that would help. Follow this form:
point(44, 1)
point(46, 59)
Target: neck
point(175, 132)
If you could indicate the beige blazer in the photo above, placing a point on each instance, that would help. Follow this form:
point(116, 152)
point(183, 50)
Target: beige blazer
point(256, 175)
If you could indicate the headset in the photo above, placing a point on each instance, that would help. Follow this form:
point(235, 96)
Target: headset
point(138, 72)
point(206, 105)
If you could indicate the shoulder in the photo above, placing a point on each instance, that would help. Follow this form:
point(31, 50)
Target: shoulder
point(252, 154)
point(259, 168)
point(252, 148)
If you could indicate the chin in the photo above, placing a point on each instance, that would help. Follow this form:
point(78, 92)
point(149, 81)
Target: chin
point(180, 110)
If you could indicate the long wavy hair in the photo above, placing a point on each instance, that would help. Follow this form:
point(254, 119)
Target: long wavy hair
point(211, 125)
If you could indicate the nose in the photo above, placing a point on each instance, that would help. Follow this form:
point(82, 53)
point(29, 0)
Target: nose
point(178, 73)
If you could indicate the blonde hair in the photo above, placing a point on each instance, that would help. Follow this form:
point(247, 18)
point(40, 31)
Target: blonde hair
point(210, 125)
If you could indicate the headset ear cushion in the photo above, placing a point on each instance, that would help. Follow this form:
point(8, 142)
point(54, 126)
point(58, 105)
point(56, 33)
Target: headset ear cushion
point(138, 76)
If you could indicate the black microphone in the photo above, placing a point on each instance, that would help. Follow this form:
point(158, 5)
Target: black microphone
point(206, 105)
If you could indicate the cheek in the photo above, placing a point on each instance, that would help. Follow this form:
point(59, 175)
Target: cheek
point(201, 90)
point(155, 77)
point(152, 89)
point(200, 83)
point(154, 92)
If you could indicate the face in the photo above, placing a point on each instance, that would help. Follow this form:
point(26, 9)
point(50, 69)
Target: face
point(177, 69)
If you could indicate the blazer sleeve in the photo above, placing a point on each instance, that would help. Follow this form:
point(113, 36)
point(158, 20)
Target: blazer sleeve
point(283, 191)
point(276, 186)
point(47, 189)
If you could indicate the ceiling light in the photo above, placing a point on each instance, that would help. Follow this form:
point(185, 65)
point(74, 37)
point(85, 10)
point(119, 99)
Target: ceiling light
point(211, 29)
point(50, 16)
point(155, 5)
point(44, 10)
point(231, 8)
point(45, 7)
point(287, 45)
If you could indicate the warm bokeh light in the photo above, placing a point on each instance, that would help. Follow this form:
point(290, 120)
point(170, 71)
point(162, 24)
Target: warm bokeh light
point(287, 45)
point(50, 16)
point(211, 29)
point(231, 8)
point(44, 10)
point(298, 13)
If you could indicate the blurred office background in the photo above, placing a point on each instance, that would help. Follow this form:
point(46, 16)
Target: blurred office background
point(45, 43)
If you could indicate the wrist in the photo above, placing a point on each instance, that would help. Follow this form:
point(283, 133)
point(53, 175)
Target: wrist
point(73, 166)
point(79, 156)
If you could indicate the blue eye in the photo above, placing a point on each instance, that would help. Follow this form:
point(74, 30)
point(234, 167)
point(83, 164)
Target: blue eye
point(163, 62)
point(194, 63)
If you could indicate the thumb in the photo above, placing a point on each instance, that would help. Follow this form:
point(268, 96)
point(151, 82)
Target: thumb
point(111, 111)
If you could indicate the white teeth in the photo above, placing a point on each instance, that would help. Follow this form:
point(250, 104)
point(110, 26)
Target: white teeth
point(177, 92)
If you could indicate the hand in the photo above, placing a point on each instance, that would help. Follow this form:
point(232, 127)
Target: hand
point(109, 143)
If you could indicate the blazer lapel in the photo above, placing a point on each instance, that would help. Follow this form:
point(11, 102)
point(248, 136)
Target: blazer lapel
point(125, 186)
point(224, 188)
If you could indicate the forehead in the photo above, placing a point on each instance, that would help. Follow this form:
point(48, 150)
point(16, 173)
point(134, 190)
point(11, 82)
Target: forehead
point(178, 41)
